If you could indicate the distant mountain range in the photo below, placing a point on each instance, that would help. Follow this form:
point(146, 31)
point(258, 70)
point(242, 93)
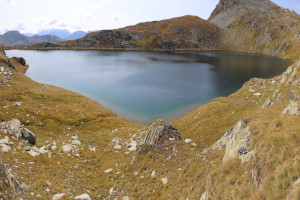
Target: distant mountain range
point(61, 33)
point(15, 38)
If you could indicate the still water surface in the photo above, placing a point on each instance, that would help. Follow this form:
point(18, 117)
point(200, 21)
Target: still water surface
point(144, 86)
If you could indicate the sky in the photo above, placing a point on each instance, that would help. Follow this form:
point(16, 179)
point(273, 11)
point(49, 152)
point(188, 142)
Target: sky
point(32, 16)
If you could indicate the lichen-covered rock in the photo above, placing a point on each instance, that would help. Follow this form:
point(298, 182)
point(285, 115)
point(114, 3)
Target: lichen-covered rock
point(9, 179)
point(236, 142)
point(204, 196)
point(267, 103)
point(10, 64)
point(14, 128)
point(28, 135)
point(292, 109)
point(288, 75)
point(161, 132)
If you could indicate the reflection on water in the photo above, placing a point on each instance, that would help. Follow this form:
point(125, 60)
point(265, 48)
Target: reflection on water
point(144, 86)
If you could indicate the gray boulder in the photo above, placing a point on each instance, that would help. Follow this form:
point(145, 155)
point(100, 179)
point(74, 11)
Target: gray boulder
point(83, 197)
point(20, 60)
point(14, 126)
point(28, 135)
point(236, 142)
point(10, 64)
point(161, 132)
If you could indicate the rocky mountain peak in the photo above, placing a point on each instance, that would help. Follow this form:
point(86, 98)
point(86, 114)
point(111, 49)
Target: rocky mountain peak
point(248, 5)
point(12, 33)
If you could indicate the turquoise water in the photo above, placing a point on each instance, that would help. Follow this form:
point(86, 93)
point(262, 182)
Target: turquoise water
point(144, 86)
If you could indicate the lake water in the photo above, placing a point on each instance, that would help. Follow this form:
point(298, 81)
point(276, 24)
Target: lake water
point(144, 86)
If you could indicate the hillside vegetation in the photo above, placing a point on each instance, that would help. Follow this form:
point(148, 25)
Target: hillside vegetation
point(244, 146)
point(177, 33)
point(258, 26)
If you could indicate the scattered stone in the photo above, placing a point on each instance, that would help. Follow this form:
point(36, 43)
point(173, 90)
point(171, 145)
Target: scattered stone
point(53, 148)
point(159, 134)
point(75, 137)
point(205, 150)
point(75, 140)
point(266, 104)
point(108, 170)
point(5, 148)
point(204, 196)
point(58, 196)
point(117, 147)
point(14, 126)
point(28, 135)
point(67, 148)
point(111, 190)
point(292, 109)
point(83, 197)
point(153, 174)
point(297, 182)
point(251, 90)
point(125, 198)
point(132, 146)
point(164, 180)
point(187, 141)
point(4, 141)
point(257, 94)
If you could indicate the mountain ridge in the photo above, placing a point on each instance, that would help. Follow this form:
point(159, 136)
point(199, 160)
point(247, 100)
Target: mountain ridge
point(258, 26)
point(244, 146)
point(255, 26)
point(15, 38)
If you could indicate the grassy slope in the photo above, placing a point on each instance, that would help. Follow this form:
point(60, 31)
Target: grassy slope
point(56, 114)
point(258, 27)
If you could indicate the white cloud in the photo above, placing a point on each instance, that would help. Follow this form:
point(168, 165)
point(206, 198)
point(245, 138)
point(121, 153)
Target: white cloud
point(11, 2)
point(298, 7)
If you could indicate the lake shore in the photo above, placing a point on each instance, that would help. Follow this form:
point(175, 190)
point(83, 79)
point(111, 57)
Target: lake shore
point(56, 114)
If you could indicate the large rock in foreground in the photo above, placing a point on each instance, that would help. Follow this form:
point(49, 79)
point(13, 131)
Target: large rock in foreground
point(160, 133)
point(28, 135)
point(236, 142)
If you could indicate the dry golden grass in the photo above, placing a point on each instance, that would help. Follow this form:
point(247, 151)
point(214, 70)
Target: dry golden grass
point(57, 114)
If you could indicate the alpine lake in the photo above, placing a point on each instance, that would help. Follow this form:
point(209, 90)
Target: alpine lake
point(144, 86)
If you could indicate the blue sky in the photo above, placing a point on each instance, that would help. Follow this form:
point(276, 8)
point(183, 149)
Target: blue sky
point(35, 15)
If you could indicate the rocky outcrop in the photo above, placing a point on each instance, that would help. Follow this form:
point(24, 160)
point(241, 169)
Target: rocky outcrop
point(7, 177)
point(107, 39)
point(236, 142)
point(21, 60)
point(14, 128)
point(257, 26)
point(47, 45)
point(10, 64)
point(176, 33)
point(292, 109)
point(160, 133)
point(204, 196)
